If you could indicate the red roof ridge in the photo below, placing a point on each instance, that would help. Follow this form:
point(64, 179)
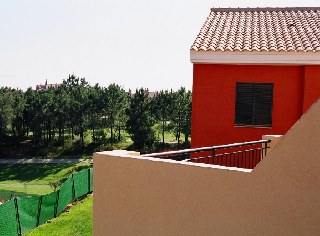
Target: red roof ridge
point(263, 9)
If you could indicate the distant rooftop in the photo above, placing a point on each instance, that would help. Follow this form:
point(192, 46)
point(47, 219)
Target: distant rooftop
point(295, 29)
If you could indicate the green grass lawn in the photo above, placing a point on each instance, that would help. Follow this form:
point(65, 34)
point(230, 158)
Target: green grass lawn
point(78, 221)
point(33, 179)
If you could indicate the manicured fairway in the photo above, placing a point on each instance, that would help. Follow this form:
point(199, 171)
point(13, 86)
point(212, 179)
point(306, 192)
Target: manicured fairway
point(22, 179)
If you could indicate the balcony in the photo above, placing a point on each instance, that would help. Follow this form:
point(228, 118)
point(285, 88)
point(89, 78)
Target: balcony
point(241, 155)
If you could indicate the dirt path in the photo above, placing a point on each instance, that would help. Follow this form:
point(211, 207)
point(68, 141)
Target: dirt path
point(43, 161)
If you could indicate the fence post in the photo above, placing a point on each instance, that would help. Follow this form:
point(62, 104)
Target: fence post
point(73, 189)
point(39, 211)
point(89, 180)
point(17, 215)
point(56, 205)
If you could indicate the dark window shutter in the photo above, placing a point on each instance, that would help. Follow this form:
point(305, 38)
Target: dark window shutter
point(254, 104)
point(244, 104)
point(263, 104)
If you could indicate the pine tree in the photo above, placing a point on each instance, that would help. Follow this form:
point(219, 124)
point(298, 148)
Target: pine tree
point(181, 116)
point(140, 121)
point(162, 108)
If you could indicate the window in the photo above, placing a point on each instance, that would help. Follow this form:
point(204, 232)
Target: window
point(254, 104)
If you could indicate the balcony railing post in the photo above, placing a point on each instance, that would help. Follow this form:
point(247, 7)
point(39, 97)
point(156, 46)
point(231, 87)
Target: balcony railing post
point(213, 154)
point(187, 156)
point(265, 148)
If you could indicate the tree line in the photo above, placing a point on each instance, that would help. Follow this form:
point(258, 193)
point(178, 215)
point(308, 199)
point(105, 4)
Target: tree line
point(76, 108)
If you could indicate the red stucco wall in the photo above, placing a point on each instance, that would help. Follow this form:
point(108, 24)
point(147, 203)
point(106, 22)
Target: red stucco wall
point(311, 86)
point(213, 101)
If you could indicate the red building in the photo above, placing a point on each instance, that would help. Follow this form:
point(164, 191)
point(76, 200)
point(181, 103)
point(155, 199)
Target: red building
point(255, 72)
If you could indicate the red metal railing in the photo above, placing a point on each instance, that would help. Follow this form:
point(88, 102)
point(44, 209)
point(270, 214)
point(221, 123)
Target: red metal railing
point(241, 155)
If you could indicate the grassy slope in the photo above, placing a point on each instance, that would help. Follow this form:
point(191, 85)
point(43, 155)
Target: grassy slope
point(33, 178)
point(78, 221)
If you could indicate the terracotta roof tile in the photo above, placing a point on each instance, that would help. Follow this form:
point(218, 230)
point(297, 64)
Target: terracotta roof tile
point(260, 29)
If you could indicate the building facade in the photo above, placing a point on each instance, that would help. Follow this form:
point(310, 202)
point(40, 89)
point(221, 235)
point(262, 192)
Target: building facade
point(255, 72)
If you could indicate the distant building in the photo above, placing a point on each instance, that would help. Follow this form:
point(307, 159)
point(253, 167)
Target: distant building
point(46, 86)
point(150, 94)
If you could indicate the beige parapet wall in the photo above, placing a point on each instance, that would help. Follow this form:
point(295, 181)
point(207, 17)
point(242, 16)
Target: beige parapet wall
point(141, 196)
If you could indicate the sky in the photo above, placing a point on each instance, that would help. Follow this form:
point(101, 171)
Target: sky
point(141, 43)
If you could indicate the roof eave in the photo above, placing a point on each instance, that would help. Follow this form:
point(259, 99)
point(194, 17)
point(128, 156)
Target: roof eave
point(246, 57)
point(263, 9)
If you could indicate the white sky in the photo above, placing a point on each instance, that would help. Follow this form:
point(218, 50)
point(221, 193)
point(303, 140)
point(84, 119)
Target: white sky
point(141, 43)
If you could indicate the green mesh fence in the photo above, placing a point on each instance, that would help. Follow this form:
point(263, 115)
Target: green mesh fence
point(91, 179)
point(81, 183)
point(8, 219)
point(65, 195)
point(20, 215)
point(28, 212)
point(48, 204)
